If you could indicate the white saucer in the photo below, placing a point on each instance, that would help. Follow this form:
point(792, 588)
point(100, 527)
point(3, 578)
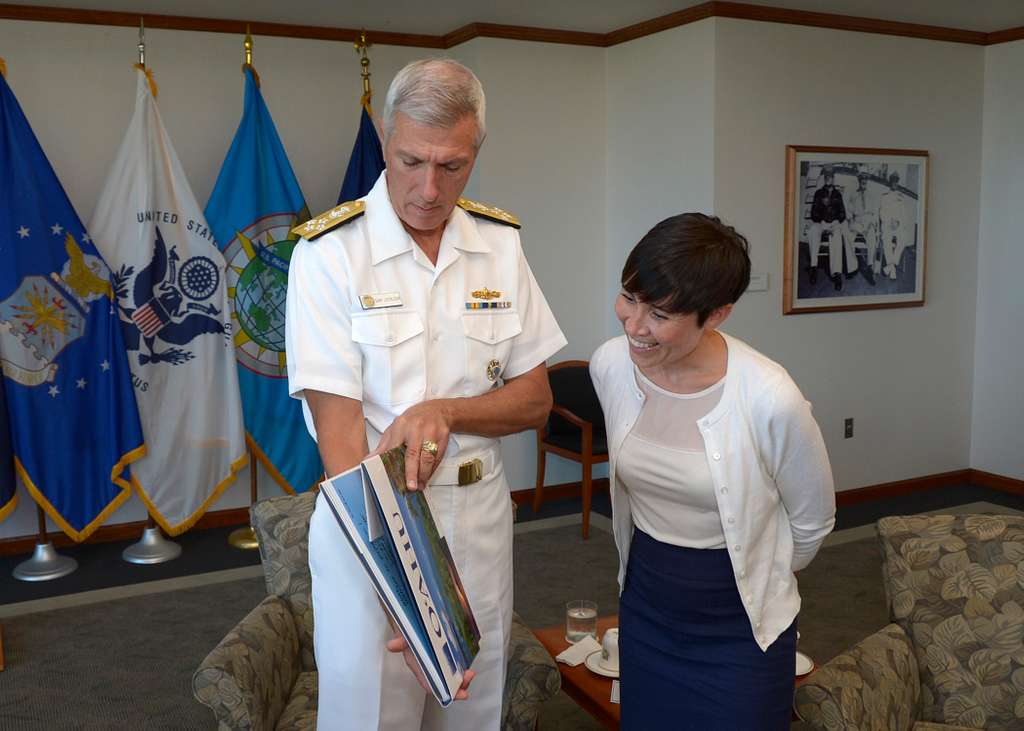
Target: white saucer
point(593, 663)
point(804, 664)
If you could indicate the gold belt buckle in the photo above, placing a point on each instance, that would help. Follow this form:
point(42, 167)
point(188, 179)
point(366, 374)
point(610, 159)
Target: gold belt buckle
point(470, 472)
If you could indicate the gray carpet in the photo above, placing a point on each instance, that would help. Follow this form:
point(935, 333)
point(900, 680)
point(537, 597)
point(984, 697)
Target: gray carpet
point(127, 664)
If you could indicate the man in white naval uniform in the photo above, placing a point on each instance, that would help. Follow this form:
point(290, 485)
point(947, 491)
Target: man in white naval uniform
point(413, 318)
point(896, 225)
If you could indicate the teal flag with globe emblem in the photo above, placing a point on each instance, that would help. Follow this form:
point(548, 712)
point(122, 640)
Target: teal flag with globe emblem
point(254, 205)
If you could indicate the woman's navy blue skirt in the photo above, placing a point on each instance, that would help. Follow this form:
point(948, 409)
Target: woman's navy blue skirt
point(687, 655)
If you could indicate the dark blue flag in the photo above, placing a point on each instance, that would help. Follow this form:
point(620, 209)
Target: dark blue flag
point(252, 209)
point(74, 423)
point(366, 162)
point(7, 497)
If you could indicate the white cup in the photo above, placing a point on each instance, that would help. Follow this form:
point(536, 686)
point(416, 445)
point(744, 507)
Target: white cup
point(610, 650)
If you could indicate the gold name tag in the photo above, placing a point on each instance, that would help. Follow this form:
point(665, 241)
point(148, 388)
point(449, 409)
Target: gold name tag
point(376, 300)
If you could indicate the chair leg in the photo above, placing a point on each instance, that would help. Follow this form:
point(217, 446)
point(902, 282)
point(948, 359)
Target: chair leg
point(587, 485)
point(538, 490)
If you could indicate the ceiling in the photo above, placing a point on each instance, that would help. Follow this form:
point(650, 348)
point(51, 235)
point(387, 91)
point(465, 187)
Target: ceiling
point(597, 16)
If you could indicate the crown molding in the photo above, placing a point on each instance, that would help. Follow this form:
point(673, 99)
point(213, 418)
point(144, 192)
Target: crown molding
point(715, 9)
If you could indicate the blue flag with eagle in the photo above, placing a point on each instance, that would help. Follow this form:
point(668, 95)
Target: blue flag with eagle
point(366, 162)
point(74, 423)
point(251, 211)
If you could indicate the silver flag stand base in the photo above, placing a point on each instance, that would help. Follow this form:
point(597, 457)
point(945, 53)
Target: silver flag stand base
point(45, 564)
point(151, 548)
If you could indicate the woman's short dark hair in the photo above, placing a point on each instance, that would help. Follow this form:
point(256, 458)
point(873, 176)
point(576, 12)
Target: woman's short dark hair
point(690, 263)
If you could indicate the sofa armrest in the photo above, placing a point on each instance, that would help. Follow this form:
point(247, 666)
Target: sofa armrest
point(873, 685)
point(531, 678)
point(249, 675)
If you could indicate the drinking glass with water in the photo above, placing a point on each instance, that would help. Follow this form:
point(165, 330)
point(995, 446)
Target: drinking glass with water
point(580, 620)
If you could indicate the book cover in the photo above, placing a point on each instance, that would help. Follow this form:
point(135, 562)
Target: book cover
point(445, 650)
point(438, 568)
point(346, 496)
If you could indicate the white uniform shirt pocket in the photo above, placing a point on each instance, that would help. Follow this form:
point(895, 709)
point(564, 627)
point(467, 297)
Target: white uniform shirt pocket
point(489, 335)
point(393, 354)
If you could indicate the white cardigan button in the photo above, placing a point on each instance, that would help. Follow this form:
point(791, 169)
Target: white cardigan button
point(716, 455)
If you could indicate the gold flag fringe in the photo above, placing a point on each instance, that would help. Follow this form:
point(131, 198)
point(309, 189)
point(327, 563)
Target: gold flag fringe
point(149, 77)
point(255, 75)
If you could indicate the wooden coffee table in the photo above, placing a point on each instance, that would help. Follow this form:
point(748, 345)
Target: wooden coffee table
point(591, 691)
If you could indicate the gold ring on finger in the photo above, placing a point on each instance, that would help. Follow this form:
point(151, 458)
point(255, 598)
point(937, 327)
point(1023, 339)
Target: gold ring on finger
point(429, 446)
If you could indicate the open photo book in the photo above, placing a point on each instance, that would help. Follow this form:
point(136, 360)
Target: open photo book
point(392, 532)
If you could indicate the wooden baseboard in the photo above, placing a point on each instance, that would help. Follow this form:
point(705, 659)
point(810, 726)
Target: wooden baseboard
point(996, 482)
point(902, 487)
point(240, 516)
point(870, 493)
point(121, 532)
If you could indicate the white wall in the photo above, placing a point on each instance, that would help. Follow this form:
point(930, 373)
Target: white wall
point(544, 160)
point(661, 138)
point(903, 374)
point(546, 103)
point(997, 440)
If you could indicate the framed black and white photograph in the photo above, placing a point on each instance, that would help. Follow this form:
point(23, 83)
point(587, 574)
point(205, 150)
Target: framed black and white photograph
point(855, 228)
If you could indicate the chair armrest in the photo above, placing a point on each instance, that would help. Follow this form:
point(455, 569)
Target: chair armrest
point(249, 675)
point(531, 678)
point(572, 418)
point(873, 685)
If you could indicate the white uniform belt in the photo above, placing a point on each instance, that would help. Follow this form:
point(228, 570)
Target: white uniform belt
point(466, 469)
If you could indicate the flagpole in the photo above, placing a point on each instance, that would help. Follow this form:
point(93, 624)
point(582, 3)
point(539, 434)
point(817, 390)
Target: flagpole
point(362, 45)
point(152, 547)
point(245, 537)
point(45, 563)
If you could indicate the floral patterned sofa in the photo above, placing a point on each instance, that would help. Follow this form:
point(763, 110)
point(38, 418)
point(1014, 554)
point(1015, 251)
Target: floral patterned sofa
point(262, 675)
point(954, 657)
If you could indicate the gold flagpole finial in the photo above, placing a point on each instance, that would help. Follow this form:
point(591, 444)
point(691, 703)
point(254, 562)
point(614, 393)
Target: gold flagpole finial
point(3, 68)
point(362, 45)
point(142, 42)
point(248, 46)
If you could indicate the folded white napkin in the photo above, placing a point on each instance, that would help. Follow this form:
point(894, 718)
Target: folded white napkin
point(615, 691)
point(578, 652)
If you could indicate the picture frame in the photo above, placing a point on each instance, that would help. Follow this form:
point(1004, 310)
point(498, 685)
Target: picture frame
point(868, 210)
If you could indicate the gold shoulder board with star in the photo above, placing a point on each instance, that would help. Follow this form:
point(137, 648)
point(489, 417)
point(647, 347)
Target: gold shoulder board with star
point(319, 225)
point(482, 210)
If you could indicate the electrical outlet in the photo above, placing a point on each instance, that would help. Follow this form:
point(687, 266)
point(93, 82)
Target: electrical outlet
point(848, 428)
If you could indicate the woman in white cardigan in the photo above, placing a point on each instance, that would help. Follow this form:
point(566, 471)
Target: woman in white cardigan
point(721, 490)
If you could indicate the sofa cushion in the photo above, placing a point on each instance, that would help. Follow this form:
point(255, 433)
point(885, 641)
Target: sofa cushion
point(282, 528)
point(247, 678)
point(873, 685)
point(300, 713)
point(955, 584)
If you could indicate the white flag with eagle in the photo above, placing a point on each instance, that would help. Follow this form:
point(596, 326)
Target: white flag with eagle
point(169, 279)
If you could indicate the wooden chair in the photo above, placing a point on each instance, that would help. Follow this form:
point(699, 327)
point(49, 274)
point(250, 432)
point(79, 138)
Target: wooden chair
point(574, 430)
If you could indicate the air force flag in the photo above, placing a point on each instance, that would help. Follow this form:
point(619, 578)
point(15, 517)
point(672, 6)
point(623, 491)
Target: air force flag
point(74, 425)
point(169, 279)
point(252, 209)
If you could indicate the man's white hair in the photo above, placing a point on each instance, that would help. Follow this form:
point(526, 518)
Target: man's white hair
point(436, 92)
